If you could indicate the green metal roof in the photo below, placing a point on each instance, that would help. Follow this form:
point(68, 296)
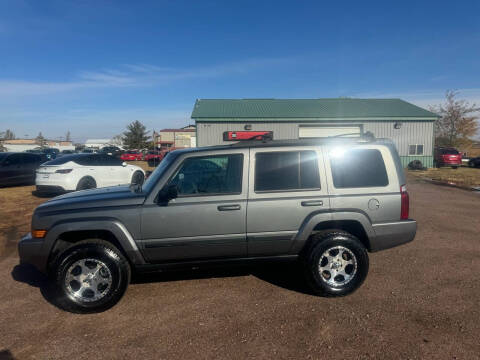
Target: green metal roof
point(331, 109)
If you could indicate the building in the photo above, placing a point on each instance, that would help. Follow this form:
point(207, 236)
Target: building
point(99, 143)
point(408, 126)
point(20, 145)
point(176, 138)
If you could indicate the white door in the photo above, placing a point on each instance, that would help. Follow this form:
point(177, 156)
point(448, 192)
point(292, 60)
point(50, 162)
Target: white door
point(326, 131)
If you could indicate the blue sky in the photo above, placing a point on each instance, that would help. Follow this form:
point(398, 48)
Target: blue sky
point(91, 67)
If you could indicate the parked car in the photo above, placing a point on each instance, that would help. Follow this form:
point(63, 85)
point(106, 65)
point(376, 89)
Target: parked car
point(154, 157)
point(131, 156)
point(111, 150)
point(445, 156)
point(323, 203)
point(85, 171)
point(19, 168)
point(474, 162)
point(67, 152)
point(50, 153)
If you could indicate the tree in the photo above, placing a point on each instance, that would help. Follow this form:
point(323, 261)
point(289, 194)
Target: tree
point(117, 140)
point(458, 122)
point(40, 140)
point(67, 136)
point(7, 135)
point(136, 136)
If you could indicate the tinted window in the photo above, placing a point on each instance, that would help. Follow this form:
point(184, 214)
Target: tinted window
point(63, 159)
point(14, 159)
point(31, 158)
point(210, 175)
point(294, 170)
point(108, 160)
point(358, 168)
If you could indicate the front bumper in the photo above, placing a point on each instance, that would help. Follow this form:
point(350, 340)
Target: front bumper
point(388, 235)
point(30, 252)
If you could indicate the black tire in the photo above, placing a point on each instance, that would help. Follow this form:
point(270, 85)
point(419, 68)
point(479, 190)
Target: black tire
point(454, 167)
point(138, 178)
point(102, 261)
point(351, 251)
point(86, 183)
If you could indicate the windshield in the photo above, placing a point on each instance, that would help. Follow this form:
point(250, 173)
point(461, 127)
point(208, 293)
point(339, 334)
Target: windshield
point(3, 156)
point(158, 172)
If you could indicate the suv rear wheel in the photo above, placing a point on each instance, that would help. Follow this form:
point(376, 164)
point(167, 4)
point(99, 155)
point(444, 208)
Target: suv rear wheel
point(337, 264)
point(90, 276)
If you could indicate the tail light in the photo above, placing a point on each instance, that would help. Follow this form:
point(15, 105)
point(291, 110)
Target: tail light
point(405, 203)
point(63, 171)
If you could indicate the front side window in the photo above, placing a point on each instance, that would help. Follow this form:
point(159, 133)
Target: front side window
point(357, 168)
point(205, 175)
point(415, 150)
point(286, 171)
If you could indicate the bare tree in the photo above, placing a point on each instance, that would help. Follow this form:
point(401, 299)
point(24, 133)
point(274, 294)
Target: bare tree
point(458, 121)
point(7, 135)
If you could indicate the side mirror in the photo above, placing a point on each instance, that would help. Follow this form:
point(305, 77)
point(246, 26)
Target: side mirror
point(168, 193)
point(124, 164)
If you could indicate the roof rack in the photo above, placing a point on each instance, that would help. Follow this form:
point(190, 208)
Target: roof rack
point(267, 140)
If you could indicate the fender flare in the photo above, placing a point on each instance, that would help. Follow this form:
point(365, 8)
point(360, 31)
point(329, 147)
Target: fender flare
point(112, 225)
point(316, 218)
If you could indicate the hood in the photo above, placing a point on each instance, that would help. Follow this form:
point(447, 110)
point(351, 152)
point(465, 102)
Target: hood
point(115, 196)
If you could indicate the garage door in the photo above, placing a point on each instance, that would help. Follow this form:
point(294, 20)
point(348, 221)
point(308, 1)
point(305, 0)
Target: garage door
point(326, 131)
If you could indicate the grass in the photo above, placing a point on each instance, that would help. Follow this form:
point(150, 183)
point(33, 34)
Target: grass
point(462, 176)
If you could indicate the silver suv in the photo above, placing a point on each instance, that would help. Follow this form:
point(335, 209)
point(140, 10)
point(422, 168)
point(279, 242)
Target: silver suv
point(323, 203)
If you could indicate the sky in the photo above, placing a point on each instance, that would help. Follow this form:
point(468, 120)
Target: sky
point(92, 67)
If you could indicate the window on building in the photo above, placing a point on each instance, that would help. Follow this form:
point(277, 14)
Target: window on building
point(212, 175)
point(281, 171)
point(415, 150)
point(358, 168)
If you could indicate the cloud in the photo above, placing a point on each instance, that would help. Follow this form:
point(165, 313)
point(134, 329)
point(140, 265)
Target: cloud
point(133, 75)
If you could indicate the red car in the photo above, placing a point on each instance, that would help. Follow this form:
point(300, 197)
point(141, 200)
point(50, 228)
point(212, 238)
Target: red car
point(131, 156)
point(447, 157)
point(154, 157)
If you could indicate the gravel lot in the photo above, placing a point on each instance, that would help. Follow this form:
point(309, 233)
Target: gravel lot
point(420, 300)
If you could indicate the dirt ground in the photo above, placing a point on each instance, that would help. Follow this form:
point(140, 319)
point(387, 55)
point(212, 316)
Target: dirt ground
point(420, 300)
point(462, 176)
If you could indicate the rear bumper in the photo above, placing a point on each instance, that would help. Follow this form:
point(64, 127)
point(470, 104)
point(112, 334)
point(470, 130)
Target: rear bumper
point(50, 189)
point(389, 235)
point(450, 162)
point(30, 252)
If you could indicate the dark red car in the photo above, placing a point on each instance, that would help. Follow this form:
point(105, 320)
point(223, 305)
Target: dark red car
point(154, 157)
point(131, 156)
point(445, 156)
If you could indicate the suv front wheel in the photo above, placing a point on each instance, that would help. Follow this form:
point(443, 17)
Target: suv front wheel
point(90, 276)
point(337, 264)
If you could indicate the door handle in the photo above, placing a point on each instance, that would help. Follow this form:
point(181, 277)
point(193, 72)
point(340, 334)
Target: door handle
point(228, 207)
point(312, 203)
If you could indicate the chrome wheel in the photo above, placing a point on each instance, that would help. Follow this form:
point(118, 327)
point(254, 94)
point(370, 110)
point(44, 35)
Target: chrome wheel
point(88, 280)
point(337, 266)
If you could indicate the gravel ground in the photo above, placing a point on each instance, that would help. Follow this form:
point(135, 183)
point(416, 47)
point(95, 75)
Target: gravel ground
point(419, 301)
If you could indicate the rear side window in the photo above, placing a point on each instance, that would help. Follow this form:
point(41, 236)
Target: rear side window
point(358, 168)
point(284, 171)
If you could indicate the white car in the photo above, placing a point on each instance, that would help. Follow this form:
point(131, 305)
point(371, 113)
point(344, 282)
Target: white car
point(85, 171)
